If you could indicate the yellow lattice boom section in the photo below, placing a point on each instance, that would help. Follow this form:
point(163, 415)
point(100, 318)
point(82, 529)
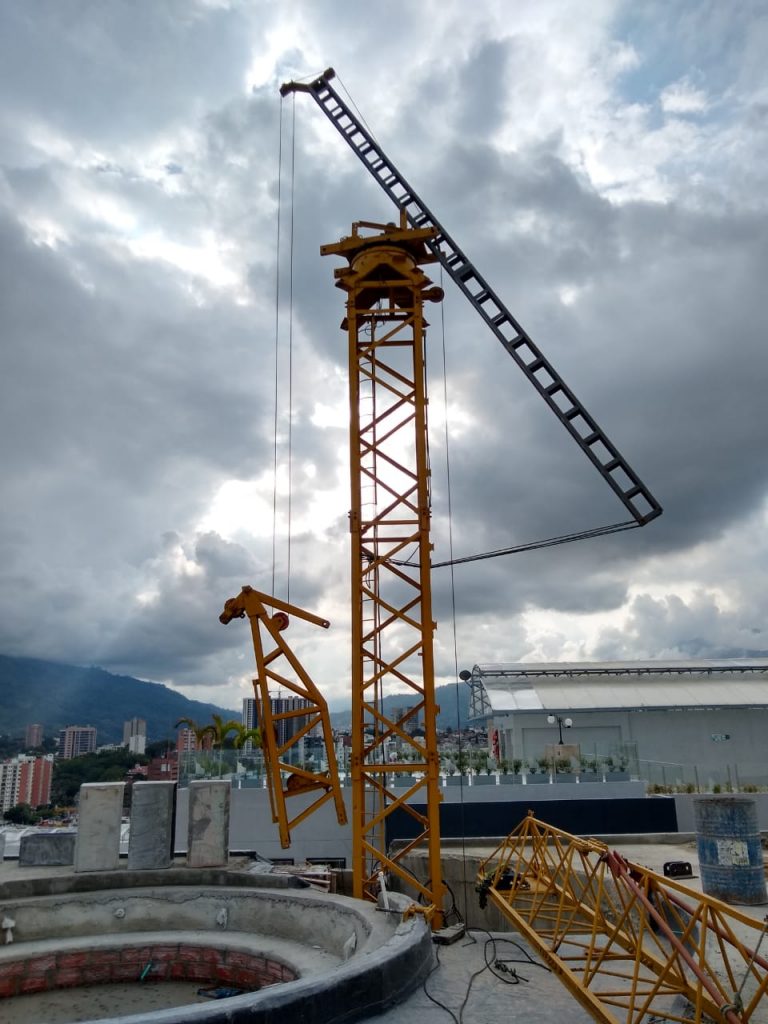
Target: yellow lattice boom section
point(630, 945)
point(278, 666)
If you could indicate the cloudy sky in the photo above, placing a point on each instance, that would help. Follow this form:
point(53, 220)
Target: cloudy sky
point(604, 165)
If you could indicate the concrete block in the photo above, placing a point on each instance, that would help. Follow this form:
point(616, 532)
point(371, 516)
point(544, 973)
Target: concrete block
point(208, 830)
point(98, 834)
point(47, 848)
point(153, 816)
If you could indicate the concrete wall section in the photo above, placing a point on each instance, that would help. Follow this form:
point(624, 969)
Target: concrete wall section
point(152, 825)
point(208, 820)
point(251, 828)
point(98, 835)
point(684, 803)
point(322, 838)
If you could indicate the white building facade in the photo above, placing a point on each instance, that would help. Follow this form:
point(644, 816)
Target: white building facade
point(692, 721)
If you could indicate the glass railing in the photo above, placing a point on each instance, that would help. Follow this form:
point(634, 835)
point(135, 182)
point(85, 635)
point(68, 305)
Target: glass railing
point(672, 777)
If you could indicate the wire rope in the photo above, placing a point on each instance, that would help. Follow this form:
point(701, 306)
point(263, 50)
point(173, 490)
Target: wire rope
point(453, 592)
point(278, 292)
point(277, 338)
point(534, 545)
point(355, 107)
point(290, 347)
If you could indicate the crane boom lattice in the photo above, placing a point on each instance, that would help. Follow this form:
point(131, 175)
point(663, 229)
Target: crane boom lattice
point(631, 946)
point(583, 428)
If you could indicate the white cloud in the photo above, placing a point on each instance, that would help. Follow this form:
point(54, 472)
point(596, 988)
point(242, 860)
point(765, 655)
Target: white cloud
point(682, 97)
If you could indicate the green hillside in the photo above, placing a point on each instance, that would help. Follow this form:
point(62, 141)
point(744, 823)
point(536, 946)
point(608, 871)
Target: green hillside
point(58, 695)
point(454, 707)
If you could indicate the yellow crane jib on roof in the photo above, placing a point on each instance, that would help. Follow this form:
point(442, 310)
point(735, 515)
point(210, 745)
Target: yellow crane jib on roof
point(283, 730)
point(631, 945)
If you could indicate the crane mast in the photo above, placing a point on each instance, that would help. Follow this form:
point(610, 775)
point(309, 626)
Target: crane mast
point(392, 625)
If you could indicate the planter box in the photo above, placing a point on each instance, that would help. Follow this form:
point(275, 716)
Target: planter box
point(590, 777)
point(533, 779)
point(508, 780)
point(564, 777)
point(483, 780)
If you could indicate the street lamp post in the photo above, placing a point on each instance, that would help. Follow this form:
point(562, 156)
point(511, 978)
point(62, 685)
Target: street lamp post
point(567, 722)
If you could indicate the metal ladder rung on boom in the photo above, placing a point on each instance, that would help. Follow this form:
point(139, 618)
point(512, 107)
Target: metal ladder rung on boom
point(598, 448)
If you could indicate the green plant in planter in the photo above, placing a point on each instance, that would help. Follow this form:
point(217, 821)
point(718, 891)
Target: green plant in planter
point(504, 767)
point(544, 763)
point(517, 764)
point(562, 765)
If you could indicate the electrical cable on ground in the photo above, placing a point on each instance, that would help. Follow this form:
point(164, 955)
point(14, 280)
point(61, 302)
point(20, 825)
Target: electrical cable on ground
point(432, 998)
point(493, 963)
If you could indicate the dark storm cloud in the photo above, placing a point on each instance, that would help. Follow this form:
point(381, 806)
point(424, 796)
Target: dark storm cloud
point(116, 419)
point(110, 72)
point(139, 171)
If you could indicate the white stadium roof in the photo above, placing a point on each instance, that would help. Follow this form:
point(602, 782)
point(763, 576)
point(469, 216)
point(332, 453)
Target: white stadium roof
point(605, 686)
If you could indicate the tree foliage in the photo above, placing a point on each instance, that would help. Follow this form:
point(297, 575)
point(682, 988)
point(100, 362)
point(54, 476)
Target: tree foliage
point(21, 814)
point(107, 766)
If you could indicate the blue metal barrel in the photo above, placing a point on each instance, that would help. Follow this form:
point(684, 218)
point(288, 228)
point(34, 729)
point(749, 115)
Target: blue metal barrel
point(730, 853)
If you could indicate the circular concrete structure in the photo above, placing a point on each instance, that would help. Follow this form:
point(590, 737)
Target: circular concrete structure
point(290, 951)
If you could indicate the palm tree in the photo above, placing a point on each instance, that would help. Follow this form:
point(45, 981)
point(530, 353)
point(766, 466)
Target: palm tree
point(244, 735)
point(214, 735)
point(204, 734)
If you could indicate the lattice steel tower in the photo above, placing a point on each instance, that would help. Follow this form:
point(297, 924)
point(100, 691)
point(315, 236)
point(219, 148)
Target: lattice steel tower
point(392, 625)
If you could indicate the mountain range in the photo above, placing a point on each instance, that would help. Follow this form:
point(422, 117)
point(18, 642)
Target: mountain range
point(57, 695)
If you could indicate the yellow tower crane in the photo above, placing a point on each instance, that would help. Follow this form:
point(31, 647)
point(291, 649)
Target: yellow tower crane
point(389, 519)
